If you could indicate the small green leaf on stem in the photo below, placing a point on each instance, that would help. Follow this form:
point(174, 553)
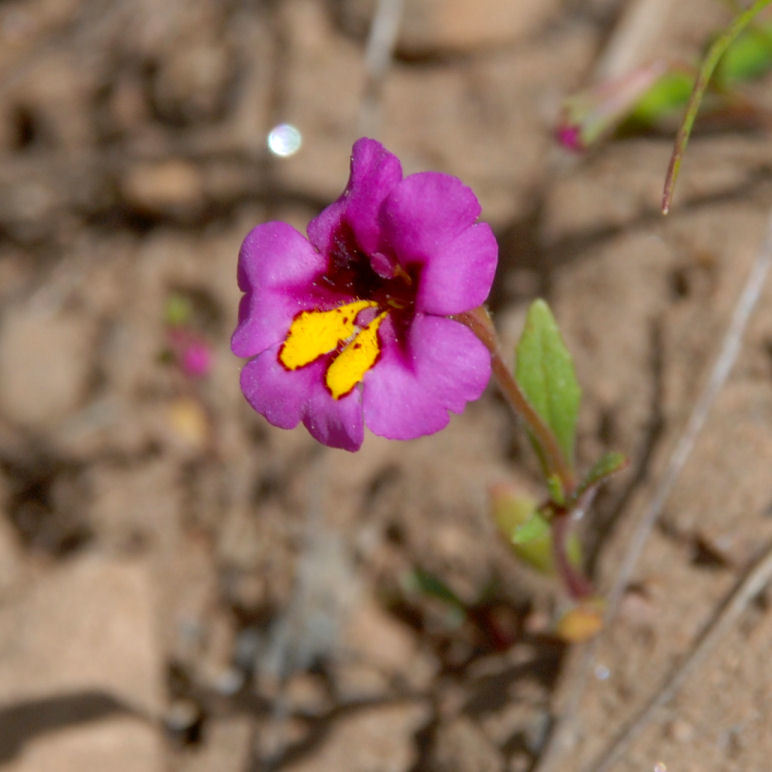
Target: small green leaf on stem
point(545, 373)
point(536, 527)
point(555, 487)
point(528, 531)
point(604, 467)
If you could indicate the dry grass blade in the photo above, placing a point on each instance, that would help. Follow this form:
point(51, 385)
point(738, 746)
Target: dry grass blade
point(639, 25)
point(378, 55)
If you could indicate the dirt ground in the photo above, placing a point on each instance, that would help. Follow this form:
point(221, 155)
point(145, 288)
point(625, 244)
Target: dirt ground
point(183, 587)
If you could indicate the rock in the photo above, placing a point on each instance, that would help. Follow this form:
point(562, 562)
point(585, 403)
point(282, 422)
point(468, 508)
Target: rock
point(10, 554)
point(117, 744)
point(192, 84)
point(225, 747)
point(166, 188)
point(80, 671)
point(383, 644)
point(45, 364)
point(134, 506)
point(378, 738)
point(461, 25)
point(681, 731)
point(460, 746)
point(53, 100)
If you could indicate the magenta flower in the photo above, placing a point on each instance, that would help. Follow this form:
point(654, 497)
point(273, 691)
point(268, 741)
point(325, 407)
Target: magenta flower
point(350, 327)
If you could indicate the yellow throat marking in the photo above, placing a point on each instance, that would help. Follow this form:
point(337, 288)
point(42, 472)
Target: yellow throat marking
point(350, 366)
point(315, 333)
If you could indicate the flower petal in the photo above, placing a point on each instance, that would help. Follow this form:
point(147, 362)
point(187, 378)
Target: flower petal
point(277, 393)
point(424, 213)
point(459, 276)
point(286, 397)
point(336, 422)
point(374, 174)
point(410, 391)
point(277, 268)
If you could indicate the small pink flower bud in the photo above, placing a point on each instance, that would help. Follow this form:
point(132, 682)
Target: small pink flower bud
point(595, 113)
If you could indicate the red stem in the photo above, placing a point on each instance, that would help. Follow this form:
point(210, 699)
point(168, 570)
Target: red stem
point(576, 583)
point(481, 324)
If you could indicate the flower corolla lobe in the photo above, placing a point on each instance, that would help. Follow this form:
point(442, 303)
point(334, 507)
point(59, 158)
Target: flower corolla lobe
point(350, 327)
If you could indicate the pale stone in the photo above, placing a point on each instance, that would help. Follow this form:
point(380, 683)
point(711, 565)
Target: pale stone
point(83, 633)
point(166, 186)
point(45, 364)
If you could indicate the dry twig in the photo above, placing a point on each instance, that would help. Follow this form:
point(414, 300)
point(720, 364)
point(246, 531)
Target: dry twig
point(378, 55)
point(638, 27)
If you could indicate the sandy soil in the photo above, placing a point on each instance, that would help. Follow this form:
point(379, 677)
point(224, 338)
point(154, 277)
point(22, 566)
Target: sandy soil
point(184, 587)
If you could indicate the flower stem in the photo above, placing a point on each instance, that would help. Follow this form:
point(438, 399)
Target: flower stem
point(481, 324)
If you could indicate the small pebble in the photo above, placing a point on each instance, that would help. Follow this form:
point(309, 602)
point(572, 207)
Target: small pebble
point(184, 722)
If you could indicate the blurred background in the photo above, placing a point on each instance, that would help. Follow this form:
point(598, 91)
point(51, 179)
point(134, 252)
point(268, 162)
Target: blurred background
point(184, 587)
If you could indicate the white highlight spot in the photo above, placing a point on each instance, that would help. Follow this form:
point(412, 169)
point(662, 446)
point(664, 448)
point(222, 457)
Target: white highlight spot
point(602, 672)
point(284, 140)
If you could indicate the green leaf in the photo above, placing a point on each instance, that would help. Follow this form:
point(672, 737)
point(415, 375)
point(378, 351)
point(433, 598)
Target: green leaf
point(510, 509)
point(427, 583)
point(528, 531)
point(604, 467)
point(513, 513)
point(546, 375)
point(749, 56)
point(536, 527)
point(669, 93)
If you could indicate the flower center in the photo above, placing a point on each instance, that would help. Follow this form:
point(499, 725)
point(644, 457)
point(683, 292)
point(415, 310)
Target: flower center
point(386, 289)
point(378, 277)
